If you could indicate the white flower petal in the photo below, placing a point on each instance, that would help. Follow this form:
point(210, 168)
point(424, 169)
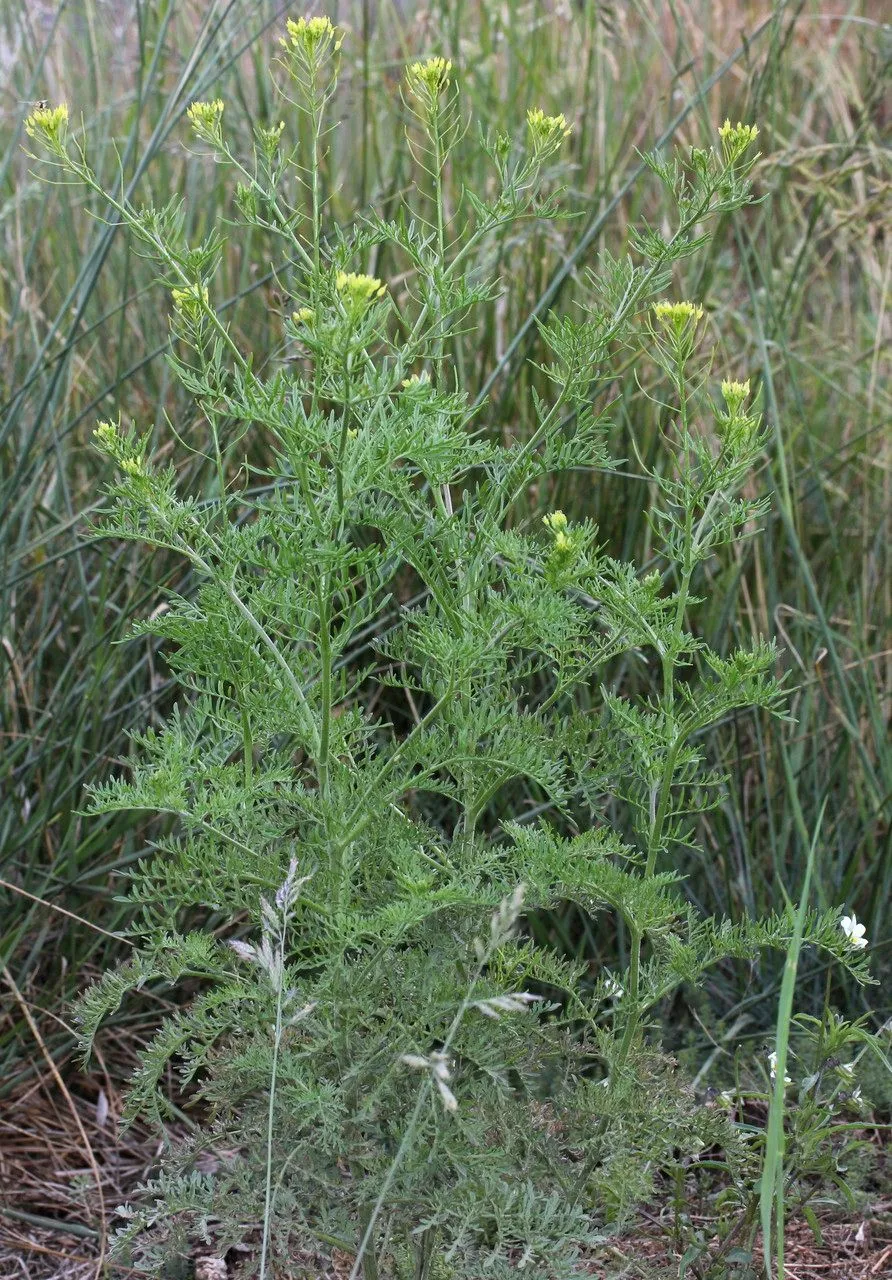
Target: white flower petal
point(854, 931)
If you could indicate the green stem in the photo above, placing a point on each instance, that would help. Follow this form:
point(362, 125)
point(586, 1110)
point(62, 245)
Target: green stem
point(632, 995)
point(247, 747)
point(270, 1114)
point(342, 441)
point(438, 189)
point(317, 210)
point(278, 657)
point(325, 682)
point(136, 224)
point(660, 797)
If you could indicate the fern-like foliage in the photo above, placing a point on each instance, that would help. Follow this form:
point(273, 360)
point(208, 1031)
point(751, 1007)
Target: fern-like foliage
point(375, 654)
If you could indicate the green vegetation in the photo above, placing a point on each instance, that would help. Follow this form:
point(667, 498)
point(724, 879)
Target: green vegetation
point(541, 695)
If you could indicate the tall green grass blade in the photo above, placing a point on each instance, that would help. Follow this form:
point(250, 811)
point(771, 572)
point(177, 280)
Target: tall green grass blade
point(771, 1196)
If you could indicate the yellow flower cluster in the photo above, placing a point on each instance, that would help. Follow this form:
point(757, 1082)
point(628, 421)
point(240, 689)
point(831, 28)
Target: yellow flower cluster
point(123, 449)
point(269, 137)
point(556, 521)
point(736, 138)
point(313, 37)
point(675, 317)
point(428, 80)
point(48, 125)
point(564, 546)
point(737, 426)
point(734, 394)
point(106, 436)
point(546, 132)
point(192, 301)
point(358, 290)
point(206, 117)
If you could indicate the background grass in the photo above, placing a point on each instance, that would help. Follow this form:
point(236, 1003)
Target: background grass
point(798, 295)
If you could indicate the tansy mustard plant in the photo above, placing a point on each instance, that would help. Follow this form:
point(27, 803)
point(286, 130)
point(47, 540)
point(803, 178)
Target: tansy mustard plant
point(375, 651)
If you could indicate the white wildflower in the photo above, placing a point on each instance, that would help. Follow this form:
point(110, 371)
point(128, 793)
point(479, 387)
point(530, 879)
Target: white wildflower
point(772, 1066)
point(854, 931)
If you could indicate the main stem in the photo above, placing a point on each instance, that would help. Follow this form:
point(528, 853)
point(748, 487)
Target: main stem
point(661, 793)
point(325, 681)
point(317, 210)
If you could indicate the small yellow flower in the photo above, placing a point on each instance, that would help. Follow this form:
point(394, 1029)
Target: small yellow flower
point(735, 391)
point(565, 546)
point(736, 138)
point(737, 427)
point(106, 436)
point(305, 315)
point(125, 450)
point(192, 301)
point(358, 291)
point(556, 521)
point(48, 125)
point(734, 395)
point(206, 118)
point(546, 132)
point(676, 316)
point(428, 80)
point(269, 137)
point(312, 37)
